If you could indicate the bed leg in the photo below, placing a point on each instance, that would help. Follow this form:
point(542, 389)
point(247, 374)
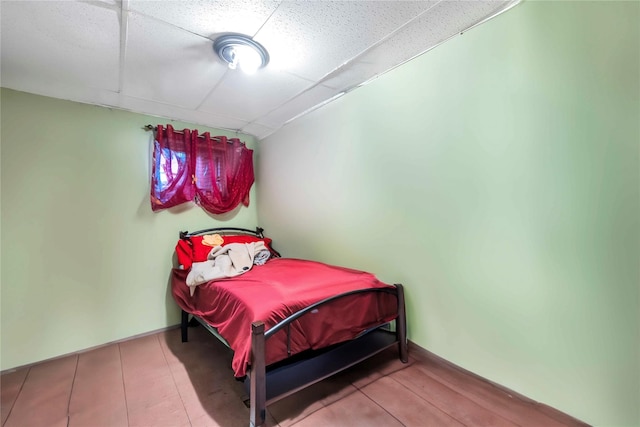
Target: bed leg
point(258, 393)
point(401, 326)
point(184, 324)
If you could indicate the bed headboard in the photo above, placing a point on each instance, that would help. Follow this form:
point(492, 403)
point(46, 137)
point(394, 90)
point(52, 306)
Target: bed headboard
point(234, 231)
point(258, 232)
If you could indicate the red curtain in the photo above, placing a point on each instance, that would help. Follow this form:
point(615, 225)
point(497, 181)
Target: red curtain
point(215, 172)
point(224, 173)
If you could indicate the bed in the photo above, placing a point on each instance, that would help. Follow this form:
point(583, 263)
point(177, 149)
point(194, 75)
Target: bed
point(290, 322)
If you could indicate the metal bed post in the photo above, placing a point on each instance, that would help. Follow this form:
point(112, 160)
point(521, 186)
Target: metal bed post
point(401, 326)
point(258, 393)
point(184, 325)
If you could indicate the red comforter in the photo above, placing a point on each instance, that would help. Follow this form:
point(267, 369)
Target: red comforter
point(276, 290)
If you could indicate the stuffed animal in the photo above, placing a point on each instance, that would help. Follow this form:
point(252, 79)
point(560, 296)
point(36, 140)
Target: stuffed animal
point(212, 240)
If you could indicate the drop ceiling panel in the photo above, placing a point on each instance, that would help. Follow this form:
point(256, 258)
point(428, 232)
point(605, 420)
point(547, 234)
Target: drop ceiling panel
point(166, 111)
point(446, 19)
point(311, 38)
point(252, 96)
point(352, 74)
point(167, 64)
point(297, 105)
point(69, 92)
point(208, 18)
point(66, 43)
point(259, 131)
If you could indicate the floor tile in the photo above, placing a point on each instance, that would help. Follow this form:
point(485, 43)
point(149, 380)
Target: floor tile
point(301, 404)
point(369, 370)
point(201, 369)
point(11, 384)
point(204, 359)
point(158, 413)
point(448, 400)
point(406, 406)
point(44, 398)
point(98, 397)
point(355, 410)
point(270, 422)
point(151, 392)
point(217, 404)
point(487, 395)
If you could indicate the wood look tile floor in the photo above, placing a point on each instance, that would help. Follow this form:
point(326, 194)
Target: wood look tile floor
point(157, 380)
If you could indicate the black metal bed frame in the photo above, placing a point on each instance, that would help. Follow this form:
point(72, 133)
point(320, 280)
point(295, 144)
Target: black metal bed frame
point(269, 384)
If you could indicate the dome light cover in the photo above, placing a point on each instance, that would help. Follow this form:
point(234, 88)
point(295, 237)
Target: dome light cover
point(241, 51)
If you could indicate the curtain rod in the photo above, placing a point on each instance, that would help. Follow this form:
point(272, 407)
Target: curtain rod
point(154, 128)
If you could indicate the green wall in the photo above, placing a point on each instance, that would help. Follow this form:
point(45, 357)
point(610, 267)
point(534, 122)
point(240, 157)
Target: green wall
point(497, 177)
point(84, 259)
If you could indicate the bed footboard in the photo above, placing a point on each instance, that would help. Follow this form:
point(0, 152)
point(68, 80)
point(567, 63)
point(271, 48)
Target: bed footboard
point(288, 379)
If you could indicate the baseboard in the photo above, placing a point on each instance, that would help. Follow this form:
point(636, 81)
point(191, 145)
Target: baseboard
point(75, 353)
point(423, 354)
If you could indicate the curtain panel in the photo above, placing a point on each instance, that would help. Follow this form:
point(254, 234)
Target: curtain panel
point(214, 172)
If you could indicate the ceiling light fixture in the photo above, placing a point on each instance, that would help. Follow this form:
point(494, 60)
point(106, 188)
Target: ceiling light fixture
point(241, 51)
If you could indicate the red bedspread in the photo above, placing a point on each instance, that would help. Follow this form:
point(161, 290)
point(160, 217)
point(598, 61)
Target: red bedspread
point(276, 290)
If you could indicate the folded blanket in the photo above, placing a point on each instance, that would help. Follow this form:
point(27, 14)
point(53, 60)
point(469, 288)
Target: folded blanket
point(224, 261)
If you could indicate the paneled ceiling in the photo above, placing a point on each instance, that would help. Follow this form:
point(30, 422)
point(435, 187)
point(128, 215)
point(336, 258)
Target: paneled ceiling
point(156, 57)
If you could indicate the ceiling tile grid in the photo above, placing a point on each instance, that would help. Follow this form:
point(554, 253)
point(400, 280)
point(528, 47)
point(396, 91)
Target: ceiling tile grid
point(301, 103)
point(444, 20)
point(311, 38)
point(251, 96)
point(208, 18)
point(167, 64)
point(257, 130)
point(176, 113)
point(156, 57)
